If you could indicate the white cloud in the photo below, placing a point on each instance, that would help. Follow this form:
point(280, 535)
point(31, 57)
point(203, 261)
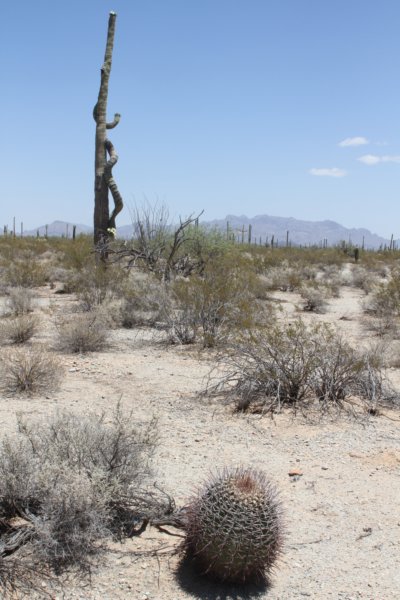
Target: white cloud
point(353, 141)
point(372, 159)
point(332, 172)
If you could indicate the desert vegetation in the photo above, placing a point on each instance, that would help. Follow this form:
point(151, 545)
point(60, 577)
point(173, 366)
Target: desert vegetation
point(305, 334)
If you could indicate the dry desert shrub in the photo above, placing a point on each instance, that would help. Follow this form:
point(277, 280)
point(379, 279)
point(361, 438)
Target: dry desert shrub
point(95, 284)
point(219, 303)
point(74, 481)
point(19, 301)
point(18, 330)
point(300, 368)
point(314, 299)
point(383, 304)
point(82, 332)
point(25, 270)
point(364, 279)
point(29, 372)
point(144, 302)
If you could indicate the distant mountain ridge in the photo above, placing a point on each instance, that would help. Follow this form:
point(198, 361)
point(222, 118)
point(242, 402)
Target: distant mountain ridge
point(300, 232)
point(264, 226)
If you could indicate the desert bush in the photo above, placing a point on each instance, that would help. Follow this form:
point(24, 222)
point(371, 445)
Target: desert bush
point(221, 301)
point(385, 300)
point(82, 332)
point(234, 527)
point(19, 301)
point(25, 271)
point(301, 368)
point(74, 481)
point(364, 279)
point(75, 254)
point(284, 278)
point(144, 301)
point(314, 299)
point(29, 372)
point(95, 284)
point(18, 330)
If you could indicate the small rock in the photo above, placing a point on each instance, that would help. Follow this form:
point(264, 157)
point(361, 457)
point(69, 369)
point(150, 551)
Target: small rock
point(295, 472)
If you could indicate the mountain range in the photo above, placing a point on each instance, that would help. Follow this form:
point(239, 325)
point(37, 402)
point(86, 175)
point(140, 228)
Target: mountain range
point(263, 227)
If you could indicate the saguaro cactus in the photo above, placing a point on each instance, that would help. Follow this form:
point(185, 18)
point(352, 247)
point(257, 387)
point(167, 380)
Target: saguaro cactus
point(104, 224)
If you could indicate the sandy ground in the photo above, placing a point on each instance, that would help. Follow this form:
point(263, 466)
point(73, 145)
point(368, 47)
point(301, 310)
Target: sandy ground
point(342, 514)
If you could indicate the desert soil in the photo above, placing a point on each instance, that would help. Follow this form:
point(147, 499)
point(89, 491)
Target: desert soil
point(342, 512)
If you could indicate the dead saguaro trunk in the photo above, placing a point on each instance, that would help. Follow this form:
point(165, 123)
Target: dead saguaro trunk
point(104, 224)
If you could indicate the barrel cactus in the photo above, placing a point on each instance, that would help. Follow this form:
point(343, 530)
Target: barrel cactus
point(234, 526)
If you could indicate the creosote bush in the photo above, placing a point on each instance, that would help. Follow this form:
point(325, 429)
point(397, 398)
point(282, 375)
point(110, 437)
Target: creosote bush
point(82, 332)
point(74, 481)
point(234, 529)
point(30, 372)
point(301, 368)
point(218, 303)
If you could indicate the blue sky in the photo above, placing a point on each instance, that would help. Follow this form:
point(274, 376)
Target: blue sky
point(279, 107)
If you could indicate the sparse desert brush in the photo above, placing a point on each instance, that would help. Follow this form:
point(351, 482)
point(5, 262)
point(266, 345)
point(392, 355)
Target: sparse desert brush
point(19, 329)
point(314, 298)
point(384, 301)
point(222, 300)
point(74, 481)
point(82, 332)
point(364, 279)
point(283, 278)
point(29, 372)
point(95, 284)
point(25, 271)
point(143, 300)
point(19, 301)
point(301, 368)
point(75, 254)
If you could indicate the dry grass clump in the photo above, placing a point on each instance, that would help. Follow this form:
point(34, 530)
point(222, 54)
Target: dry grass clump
point(19, 301)
point(29, 372)
point(74, 481)
point(301, 368)
point(82, 332)
point(18, 330)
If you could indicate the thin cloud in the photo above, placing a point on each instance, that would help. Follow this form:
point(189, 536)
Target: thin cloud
point(332, 172)
point(353, 141)
point(372, 159)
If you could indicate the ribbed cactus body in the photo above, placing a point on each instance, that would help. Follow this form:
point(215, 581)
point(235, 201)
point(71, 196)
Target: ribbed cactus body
point(234, 528)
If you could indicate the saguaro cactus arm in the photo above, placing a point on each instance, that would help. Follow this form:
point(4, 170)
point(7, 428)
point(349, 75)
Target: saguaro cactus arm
point(118, 203)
